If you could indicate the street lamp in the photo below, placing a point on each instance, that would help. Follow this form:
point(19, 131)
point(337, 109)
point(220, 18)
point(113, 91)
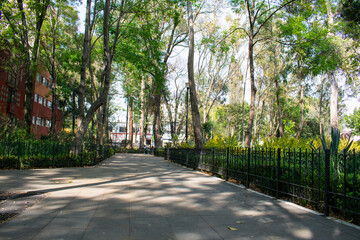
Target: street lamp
point(187, 111)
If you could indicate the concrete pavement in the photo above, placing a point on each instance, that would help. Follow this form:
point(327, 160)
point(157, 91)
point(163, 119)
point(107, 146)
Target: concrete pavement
point(144, 197)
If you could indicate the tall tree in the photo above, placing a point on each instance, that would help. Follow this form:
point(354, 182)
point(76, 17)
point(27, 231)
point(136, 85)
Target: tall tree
point(258, 15)
point(110, 40)
point(28, 28)
point(193, 97)
point(58, 28)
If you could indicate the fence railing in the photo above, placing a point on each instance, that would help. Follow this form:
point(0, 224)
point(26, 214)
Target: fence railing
point(330, 183)
point(31, 154)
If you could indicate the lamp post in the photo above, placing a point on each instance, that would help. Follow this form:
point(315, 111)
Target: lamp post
point(187, 111)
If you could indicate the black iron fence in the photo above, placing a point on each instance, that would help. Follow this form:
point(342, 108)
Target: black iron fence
point(329, 183)
point(35, 154)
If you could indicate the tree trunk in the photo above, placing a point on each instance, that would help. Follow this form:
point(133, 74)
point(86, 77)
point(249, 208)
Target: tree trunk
point(31, 59)
point(104, 124)
point(320, 108)
point(73, 114)
point(106, 76)
point(142, 116)
point(127, 124)
point(157, 121)
point(333, 101)
point(334, 91)
point(53, 75)
point(301, 123)
point(243, 108)
point(272, 115)
point(249, 128)
point(99, 126)
point(131, 123)
point(193, 98)
point(256, 132)
point(171, 120)
point(84, 62)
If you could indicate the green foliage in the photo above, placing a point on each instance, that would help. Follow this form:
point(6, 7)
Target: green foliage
point(14, 132)
point(350, 12)
point(353, 121)
point(128, 150)
point(229, 116)
point(185, 145)
point(298, 174)
point(333, 146)
point(45, 154)
point(219, 141)
point(284, 143)
point(207, 129)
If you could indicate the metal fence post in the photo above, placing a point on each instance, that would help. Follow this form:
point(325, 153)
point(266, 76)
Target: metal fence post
point(94, 148)
point(227, 163)
point(18, 155)
point(213, 161)
point(187, 157)
point(248, 169)
point(81, 156)
point(53, 157)
point(327, 181)
point(278, 172)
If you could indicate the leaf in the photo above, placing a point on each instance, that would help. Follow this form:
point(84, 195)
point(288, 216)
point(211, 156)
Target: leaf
point(70, 181)
point(239, 221)
point(57, 182)
point(232, 229)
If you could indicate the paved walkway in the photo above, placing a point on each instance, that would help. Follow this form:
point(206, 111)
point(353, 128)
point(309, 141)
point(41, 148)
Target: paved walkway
point(145, 197)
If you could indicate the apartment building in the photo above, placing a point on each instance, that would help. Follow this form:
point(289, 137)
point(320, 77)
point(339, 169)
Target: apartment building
point(12, 98)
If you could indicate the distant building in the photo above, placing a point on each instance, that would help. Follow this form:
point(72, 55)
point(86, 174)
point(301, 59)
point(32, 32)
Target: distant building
point(118, 134)
point(12, 99)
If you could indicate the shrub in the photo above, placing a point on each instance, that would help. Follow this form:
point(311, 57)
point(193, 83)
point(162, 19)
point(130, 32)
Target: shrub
point(219, 141)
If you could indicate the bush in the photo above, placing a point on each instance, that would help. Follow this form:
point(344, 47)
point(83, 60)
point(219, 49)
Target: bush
point(219, 141)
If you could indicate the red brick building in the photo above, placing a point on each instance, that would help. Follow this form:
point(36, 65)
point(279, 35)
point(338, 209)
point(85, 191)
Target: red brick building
point(12, 98)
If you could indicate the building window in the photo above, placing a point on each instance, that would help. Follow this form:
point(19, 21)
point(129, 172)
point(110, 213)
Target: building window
point(34, 120)
point(38, 121)
point(47, 123)
point(35, 98)
point(41, 99)
point(43, 122)
point(50, 85)
point(38, 77)
point(49, 104)
point(45, 102)
point(46, 83)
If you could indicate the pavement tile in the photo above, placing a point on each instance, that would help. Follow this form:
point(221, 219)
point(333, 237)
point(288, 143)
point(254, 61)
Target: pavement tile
point(136, 211)
point(196, 233)
point(71, 222)
point(60, 234)
point(76, 213)
point(149, 222)
point(186, 221)
point(28, 222)
point(121, 222)
point(221, 220)
point(109, 233)
point(135, 196)
point(17, 233)
point(151, 233)
point(113, 203)
point(112, 213)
